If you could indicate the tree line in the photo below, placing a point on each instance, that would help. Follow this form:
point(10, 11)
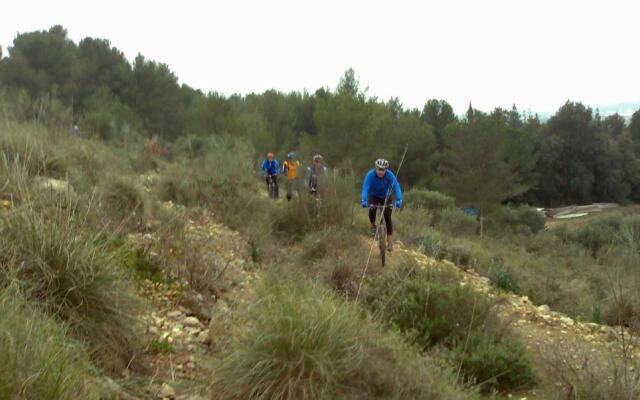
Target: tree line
point(480, 158)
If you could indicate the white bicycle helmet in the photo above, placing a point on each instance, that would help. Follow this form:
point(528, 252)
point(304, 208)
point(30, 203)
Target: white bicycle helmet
point(381, 163)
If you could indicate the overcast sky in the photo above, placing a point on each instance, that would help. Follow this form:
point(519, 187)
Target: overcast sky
point(536, 54)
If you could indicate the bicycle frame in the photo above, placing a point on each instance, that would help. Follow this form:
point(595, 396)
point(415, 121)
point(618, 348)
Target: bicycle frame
point(272, 187)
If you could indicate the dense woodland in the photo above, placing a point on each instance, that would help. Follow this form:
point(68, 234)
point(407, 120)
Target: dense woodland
point(481, 159)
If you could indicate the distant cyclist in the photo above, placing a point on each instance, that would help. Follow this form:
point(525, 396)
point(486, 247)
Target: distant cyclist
point(270, 170)
point(314, 172)
point(290, 169)
point(377, 190)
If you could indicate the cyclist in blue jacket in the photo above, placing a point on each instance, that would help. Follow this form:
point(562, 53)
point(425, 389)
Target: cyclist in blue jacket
point(377, 190)
point(270, 169)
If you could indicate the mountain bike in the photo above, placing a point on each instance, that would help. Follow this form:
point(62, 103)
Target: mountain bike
point(381, 230)
point(272, 187)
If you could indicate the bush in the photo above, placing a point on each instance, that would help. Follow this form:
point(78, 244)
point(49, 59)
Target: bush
point(30, 146)
point(123, 203)
point(38, 359)
point(588, 375)
point(301, 342)
point(454, 222)
point(493, 362)
point(73, 272)
point(460, 254)
point(621, 305)
point(432, 308)
point(428, 200)
point(412, 225)
point(432, 244)
point(599, 232)
point(330, 241)
point(220, 180)
point(629, 235)
point(430, 305)
point(502, 278)
point(139, 261)
point(87, 163)
point(517, 218)
point(306, 214)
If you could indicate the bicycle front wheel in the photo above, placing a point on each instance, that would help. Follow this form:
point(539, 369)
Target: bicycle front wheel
point(382, 242)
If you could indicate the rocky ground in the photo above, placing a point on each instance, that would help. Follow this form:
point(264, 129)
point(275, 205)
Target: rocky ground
point(177, 322)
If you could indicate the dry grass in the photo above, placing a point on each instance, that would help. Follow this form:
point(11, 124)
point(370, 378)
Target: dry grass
point(39, 360)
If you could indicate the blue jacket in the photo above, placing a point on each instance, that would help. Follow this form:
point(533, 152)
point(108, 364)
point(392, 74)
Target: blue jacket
point(270, 168)
point(380, 187)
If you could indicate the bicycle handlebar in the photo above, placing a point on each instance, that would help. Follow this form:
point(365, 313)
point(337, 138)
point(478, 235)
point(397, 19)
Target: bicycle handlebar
point(375, 206)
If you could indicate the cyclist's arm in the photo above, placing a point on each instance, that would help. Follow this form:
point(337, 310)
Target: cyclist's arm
point(366, 186)
point(285, 168)
point(397, 188)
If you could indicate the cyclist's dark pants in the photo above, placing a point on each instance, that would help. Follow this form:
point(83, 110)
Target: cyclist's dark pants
point(275, 184)
point(387, 213)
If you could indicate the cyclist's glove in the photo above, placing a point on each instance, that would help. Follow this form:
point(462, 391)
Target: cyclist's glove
point(398, 203)
point(364, 204)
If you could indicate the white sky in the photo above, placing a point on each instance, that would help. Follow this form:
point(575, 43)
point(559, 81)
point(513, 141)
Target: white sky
point(536, 54)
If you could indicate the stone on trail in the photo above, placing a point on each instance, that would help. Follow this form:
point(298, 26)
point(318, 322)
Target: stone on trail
point(166, 391)
point(191, 321)
point(544, 308)
point(174, 314)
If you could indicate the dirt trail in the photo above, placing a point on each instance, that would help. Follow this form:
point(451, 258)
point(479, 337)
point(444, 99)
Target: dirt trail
point(177, 322)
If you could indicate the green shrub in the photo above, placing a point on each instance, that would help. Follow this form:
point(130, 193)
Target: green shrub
point(493, 362)
point(432, 308)
point(432, 244)
point(454, 222)
point(139, 261)
point(629, 235)
point(160, 347)
point(256, 251)
point(87, 163)
point(430, 305)
point(222, 171)
point(336, 256)
point(39, 360)
point(221, 179)
point(599, 232)
point(302, 342)
point(306, 214)
point(521, 218)
point(72, 271)
point(460, 254)
point(106, 117)
point(326, 242)
point(428, 200)
point(412, 224)
point(504, 279)
point(191, 146)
